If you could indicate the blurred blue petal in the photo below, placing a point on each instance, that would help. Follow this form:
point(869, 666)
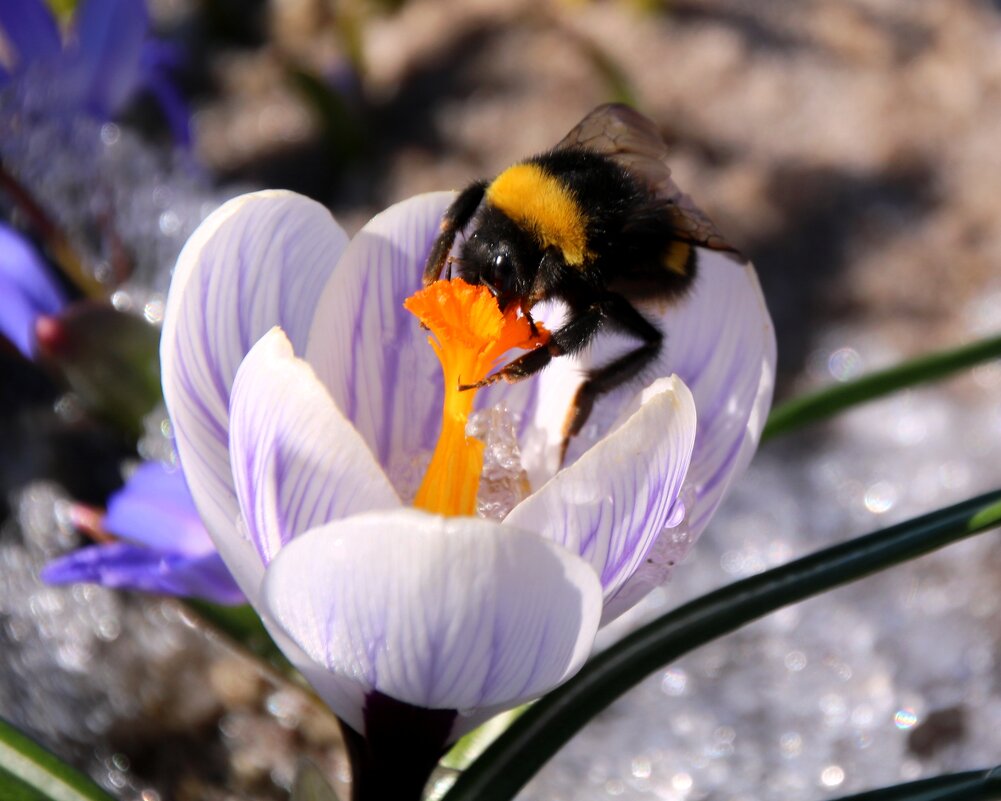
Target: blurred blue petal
point(30, 28)
point(174, 108)
point(133, 567)
point(164, 547)
point(155, 509)
point(107, 60)
point(27, 290)
point(110, 41)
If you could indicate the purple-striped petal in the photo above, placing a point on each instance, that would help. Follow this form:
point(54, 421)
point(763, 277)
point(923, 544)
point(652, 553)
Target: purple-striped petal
point(440, 613)
point(297, 461)
point(258, 261)
point(721, 343)
point(374, 357)
point(27, 290)
point(134, 567)
point(370, 352)
point(155, 509)
point(612, 503)
point(110, 36)
point(30, 28)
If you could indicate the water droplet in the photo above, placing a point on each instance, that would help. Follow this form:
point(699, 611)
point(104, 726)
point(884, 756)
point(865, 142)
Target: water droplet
point(832, 776)
point(880, 497)
point(795, 661)
point(844, 364)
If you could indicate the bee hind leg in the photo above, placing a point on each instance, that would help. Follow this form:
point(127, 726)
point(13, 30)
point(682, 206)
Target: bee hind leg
point(622, 315)
point(457, 217)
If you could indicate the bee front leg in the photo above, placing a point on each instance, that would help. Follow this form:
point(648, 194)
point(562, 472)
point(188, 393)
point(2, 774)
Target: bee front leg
point(456, 218)
point(568, 338)
point(526, 312)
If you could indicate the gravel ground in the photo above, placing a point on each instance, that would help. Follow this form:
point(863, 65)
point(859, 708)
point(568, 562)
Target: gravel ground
point(850, 147)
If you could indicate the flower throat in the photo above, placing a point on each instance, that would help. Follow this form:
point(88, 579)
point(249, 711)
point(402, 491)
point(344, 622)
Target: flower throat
point(470, 333)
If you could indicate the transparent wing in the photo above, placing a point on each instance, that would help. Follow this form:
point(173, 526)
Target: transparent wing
point(634, 142)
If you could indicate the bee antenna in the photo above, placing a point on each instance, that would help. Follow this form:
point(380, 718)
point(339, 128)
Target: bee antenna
point(448, 266)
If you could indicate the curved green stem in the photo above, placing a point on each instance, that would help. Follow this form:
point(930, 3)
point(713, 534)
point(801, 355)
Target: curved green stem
point(973, 785)
point(532, 739)
point(827, 402)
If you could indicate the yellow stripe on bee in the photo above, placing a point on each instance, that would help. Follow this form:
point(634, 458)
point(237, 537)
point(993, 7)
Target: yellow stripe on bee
point(677, 257)
point(543, 205)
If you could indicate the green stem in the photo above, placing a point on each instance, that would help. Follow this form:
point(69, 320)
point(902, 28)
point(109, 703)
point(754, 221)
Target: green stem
point(58, 244)
point(973, 785)
point(29, 772)
point(532, 739)
point(828, 402)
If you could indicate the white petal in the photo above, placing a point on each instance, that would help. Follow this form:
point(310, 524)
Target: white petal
point(372, 354)
point(258, 261)
point(298, 463)
point(612, 503)
point(721, 343)
point(443, 613)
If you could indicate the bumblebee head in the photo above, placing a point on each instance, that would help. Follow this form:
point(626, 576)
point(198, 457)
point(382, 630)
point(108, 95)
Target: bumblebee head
point(500, 256)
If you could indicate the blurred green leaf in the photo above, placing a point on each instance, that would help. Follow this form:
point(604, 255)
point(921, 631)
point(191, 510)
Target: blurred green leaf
point(310, 784)
point(243, 625)
point(828, 402)
point(30, 773)
point(341, 127)
point(617, 82)
point(63, 8)
point(549, 723)
point(110, 359)
point(56, 244)
point(616, 79)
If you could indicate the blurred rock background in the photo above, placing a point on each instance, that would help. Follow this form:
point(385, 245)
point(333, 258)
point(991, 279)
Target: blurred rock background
point(850, 147)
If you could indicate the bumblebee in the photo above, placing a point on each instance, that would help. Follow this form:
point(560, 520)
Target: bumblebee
point(597, 223)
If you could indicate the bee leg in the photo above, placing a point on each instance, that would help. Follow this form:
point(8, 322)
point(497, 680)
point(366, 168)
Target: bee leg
point(531, 322)
point(520, 368)
point(620, 314)
point(456, 218)
point(568, 338)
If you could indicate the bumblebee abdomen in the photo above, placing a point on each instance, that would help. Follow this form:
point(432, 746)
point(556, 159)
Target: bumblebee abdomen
point(539, 202)
point(679, 258)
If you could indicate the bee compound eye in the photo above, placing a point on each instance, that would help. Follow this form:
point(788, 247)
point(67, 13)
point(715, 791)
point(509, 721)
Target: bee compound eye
point(501, 261)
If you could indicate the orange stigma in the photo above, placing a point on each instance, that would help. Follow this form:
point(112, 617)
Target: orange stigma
point(470, 334)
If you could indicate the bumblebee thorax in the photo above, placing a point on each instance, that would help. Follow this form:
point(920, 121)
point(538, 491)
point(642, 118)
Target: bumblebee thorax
point(541, 204)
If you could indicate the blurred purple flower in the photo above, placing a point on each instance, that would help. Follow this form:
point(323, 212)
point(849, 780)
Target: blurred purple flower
point(164, 547)
point(104, 63)
point(27, 290)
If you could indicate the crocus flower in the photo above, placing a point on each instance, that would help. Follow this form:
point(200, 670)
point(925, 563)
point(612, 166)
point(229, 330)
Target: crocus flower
point(306, 402)
point(159, 545)
point(27, 290)
point(107, 61)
